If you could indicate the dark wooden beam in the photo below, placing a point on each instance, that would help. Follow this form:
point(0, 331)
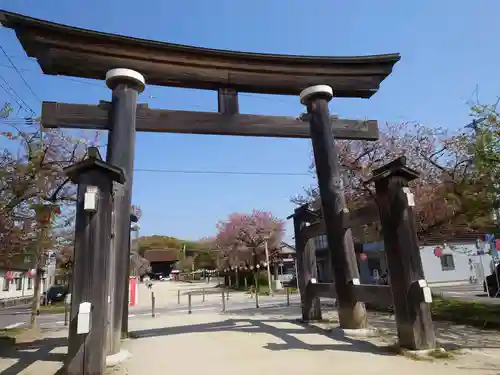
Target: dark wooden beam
point(85, 116)
point(71, 51)
point(380, 295)
point(361, 216)
point(326, 290)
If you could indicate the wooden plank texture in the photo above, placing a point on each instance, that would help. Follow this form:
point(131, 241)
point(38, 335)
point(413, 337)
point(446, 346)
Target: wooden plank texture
point(380, 295)
point(361, 216)
point(326, 290)
point(55, 115)
point(71, 51)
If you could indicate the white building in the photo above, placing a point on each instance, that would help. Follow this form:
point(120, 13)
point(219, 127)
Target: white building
point(458, 264)
point(17, 283)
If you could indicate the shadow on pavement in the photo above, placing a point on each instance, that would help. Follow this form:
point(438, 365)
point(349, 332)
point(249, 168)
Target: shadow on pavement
point(28, 353)
point(287, 335)
point(449, 334)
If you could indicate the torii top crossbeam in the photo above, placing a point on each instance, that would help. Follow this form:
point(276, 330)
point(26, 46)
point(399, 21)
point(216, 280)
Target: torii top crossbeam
point(71, 51)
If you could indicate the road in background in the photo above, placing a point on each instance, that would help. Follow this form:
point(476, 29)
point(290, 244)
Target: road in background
point(166, 302)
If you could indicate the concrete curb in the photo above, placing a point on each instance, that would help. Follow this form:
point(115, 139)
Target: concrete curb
point(18, 301)
point(117, 358)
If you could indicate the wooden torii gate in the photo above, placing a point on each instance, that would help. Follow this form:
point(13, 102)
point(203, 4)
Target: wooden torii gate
point(128, 63)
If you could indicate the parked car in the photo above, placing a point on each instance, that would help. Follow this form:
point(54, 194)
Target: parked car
point(291, 283)
point(492, 283)
point(55, 293)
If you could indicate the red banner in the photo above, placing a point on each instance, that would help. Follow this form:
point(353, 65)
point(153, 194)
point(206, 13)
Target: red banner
point(132, 294)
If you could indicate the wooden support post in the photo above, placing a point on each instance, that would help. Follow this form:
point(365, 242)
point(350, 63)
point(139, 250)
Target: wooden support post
point(228, 101)
point(413, 316)
point(87, 329)
point(306, 271)
point(352, 313)
point(126, 85)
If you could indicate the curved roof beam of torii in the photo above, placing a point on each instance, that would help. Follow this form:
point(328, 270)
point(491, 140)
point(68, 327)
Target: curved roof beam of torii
point(71, 51)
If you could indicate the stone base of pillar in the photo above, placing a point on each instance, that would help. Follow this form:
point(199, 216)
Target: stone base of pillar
point(115, 359)
point(362, 332)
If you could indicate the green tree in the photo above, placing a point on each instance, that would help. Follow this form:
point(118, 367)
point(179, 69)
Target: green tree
point(36, 198)
point(484, 145)
point(448, 194)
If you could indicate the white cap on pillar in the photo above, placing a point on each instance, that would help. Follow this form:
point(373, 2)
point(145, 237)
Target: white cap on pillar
point(324, 90)
point(125, 74)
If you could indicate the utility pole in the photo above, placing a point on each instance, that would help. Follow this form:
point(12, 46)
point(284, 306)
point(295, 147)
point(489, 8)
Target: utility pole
point(89, 294)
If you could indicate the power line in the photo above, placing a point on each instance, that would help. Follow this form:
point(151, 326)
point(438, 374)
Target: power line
point(19, 73)
point(213, 172)
point(15, 96)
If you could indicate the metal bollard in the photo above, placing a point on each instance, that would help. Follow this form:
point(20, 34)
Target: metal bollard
point(152, 304)
point(203, 294)
point(288, 296)
point(256, 299)
point(189, 303)
point(223, 302)
point(178, 296)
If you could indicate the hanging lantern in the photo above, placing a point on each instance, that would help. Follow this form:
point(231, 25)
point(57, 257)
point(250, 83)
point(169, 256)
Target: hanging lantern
point(363, 256)
point(32, 273)
point(438, 251)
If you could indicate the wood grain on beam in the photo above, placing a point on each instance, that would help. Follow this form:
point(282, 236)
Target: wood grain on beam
point(228, 101)
point(326, 290)
point(313, 230)
point(374, 294)
point(362, 216)
point(55, 115)
point(66, 50)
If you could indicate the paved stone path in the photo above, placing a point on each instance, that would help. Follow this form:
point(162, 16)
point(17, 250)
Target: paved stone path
point(269, 340)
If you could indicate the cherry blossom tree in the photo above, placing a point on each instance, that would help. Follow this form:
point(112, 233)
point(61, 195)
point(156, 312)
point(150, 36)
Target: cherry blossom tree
point(36, 198)
point(240, 235)
point(448, 190)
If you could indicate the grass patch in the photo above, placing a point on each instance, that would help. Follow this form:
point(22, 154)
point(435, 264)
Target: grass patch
point(55, 308)
point(11, 332)
point(467, 312)
point(482, 315)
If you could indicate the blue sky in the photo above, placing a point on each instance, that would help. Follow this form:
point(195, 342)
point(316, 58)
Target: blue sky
point(449, 53)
